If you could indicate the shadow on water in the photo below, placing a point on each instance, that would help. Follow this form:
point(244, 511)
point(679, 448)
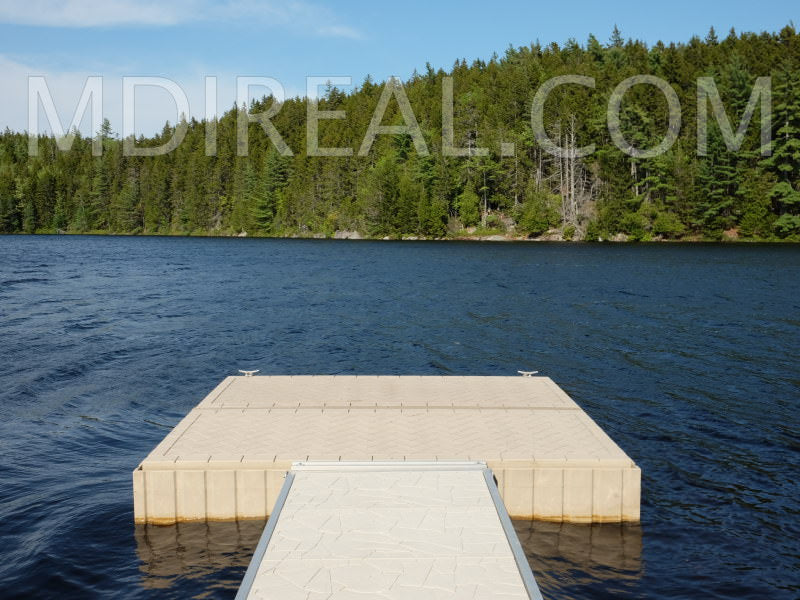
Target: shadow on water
point(196, 551)
point(582, 561)
point(570, 561)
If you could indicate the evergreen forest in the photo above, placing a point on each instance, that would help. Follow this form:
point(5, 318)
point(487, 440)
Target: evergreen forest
point(514, 189)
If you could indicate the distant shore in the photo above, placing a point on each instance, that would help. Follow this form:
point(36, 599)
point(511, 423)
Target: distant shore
point(549, 238)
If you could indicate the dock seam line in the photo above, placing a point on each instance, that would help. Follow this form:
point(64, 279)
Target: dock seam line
point(388, 406)
point(185, 429)
point(222, 390)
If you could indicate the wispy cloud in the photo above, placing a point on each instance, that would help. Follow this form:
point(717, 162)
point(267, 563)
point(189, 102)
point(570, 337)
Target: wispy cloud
point(312, 19)
point(66, 87)
point(339, 31)
point(153, 106)
point(88, 13)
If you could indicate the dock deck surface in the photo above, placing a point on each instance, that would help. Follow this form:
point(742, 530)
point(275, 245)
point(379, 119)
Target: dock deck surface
point(411, 532)
point(227, 458)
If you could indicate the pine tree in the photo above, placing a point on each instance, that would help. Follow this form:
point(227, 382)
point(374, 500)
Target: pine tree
point(785, 159)
point(616, 38)
point(539, 212)
point(9, 217)
point(266, 201)
point(394, 191)
point(469, 210)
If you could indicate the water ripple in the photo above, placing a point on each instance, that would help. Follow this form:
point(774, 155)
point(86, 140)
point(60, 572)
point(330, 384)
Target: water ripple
point(686, 355)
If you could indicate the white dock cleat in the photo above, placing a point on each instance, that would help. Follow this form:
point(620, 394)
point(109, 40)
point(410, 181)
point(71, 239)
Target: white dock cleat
point(527, 373)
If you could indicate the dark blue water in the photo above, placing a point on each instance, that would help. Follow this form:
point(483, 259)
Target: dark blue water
point(686, 355)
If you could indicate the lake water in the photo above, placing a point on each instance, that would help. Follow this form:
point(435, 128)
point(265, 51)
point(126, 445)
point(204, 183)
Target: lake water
point(686, 355)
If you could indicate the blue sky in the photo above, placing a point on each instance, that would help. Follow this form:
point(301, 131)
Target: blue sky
point(186, 40)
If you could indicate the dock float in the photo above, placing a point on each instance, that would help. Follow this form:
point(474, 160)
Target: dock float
point(228, 458)
point(391, 530)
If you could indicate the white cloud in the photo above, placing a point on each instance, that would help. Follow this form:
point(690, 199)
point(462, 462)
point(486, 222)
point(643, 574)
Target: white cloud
point(310, 18)
point(339, 31)
point(65, 88)
point(88, 13)
point(295, 14)
point(154, 106)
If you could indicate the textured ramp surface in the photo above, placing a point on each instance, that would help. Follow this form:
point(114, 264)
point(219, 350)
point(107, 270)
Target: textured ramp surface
point(388, 535)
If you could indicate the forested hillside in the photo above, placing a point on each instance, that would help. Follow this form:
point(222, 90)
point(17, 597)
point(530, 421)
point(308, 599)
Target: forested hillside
point(393, 191)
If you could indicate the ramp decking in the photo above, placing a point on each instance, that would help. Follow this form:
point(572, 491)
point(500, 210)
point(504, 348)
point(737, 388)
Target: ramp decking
point(228, 457)
point(394, 531)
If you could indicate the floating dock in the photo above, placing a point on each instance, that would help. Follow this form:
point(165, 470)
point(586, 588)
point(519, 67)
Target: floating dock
point(228, 458)
point(389, 530)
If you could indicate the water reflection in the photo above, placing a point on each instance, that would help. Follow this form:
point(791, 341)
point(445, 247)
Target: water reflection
point(195, 551)
point(583, 561)
point(570, 561)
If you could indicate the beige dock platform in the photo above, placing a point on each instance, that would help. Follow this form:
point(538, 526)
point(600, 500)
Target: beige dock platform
point(395, 531)
point(228, 457)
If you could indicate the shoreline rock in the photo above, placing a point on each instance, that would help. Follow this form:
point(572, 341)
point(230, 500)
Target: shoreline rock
point(343, 234)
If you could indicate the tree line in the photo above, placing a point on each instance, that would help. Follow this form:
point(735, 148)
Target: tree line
point(516, 187)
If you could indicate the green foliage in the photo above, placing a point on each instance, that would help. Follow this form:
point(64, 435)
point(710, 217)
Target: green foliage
point(787, 225)
point(9, 217)
point(634, 225)
point(493, 220)
point(28, 218)
point(594, 233)
point(469, 207)
point(755, 222)
point(432, 214)
point(539, 212)
point(266, 196)
point(394, 192)
point(668, 225)
point(408, 193)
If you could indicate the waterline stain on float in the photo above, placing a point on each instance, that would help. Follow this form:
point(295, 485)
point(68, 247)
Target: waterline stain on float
point(227, 459)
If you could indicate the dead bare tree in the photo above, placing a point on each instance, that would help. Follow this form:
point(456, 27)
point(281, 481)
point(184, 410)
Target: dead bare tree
point(575, 184)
